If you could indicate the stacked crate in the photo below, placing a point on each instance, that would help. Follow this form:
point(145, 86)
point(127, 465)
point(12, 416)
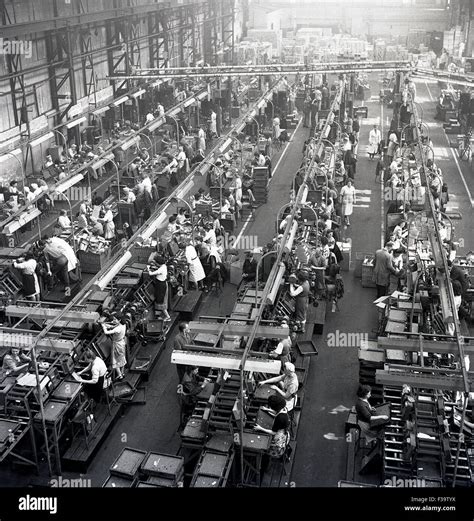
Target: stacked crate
point(92, 262)
point(371, 358)
point(162, 470)
point(124, 470)
point(260, 181)
point(368, 271)
point(212, 470)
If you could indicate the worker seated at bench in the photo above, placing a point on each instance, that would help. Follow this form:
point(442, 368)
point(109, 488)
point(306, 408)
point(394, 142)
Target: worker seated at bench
point(191, 385)
point(279, 431)
point(96, 371)
point(287, 385)
point(368, 421)
point(249, 269)
point(282, 351)
point(15, 362)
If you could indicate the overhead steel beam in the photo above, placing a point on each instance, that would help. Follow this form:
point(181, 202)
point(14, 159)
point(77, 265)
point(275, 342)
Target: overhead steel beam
point(10, 337)
point(226, 362)
point(264, 70)
point(413, 345)
point(422, 380)
point(47, 313)
point(238, 330)
point(79, 20)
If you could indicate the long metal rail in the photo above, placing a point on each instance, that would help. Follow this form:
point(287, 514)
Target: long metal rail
point(280, 69)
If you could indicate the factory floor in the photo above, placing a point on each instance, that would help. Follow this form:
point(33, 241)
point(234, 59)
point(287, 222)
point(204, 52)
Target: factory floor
point(333, 376)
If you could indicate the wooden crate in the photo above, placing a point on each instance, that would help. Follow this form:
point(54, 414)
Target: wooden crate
point(367, 274)
point(127, 464)
point(164, 466)
point(142, 253)
point(92, 262)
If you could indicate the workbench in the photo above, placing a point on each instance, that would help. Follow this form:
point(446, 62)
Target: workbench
point(255, 446)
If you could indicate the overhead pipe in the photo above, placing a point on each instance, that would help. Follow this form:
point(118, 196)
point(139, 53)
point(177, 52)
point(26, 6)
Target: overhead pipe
point(271, 297)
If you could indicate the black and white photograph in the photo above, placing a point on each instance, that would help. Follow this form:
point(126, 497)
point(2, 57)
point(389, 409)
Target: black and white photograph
point(236, 253)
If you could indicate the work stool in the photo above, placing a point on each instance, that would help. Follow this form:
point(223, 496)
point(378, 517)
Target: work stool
point(185, 408)
point(283, 459)
point(248, 211)
point(218, 284)
point(107, 389)
point(82, 420)
point(291, 417)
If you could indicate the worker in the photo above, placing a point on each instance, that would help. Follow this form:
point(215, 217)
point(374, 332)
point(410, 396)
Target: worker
point(213, 124)
point(159, 277)
point(300, 291)
point(64, 223)
point(457, 273)
point(375, 137)
point(348, 199)
point(285, 385)
point(280, 428)
point(172, 230)
point(392, 147)
point(181, 217)
point(182, 339)
point(282, 350)
point(27, 266)
point(383, 268)
point(366, 413)
point(149, 117)
point(193, 383)
point(318, 264)
point(108, 222)
point(307, 111)
point(128, 197)
point(380, 168)
point(201, 140)
point(249, 269)
point(60, 259)
point(196, 271)
point(118, 331)
point(93, 387)
point(15, 362)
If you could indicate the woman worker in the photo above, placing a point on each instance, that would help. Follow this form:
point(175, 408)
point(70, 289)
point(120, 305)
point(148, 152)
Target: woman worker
point(97, 369)
point(15, 362)
point(365, 412)
point(300, 289)
point(108, 222)
point(196, 271)
point(118, 332)
point(27, 266)
point(159, 277)
point(348, 199)
point(287, 385)
point(279, 431)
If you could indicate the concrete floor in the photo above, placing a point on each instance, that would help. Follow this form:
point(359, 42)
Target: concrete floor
point(333, 377)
